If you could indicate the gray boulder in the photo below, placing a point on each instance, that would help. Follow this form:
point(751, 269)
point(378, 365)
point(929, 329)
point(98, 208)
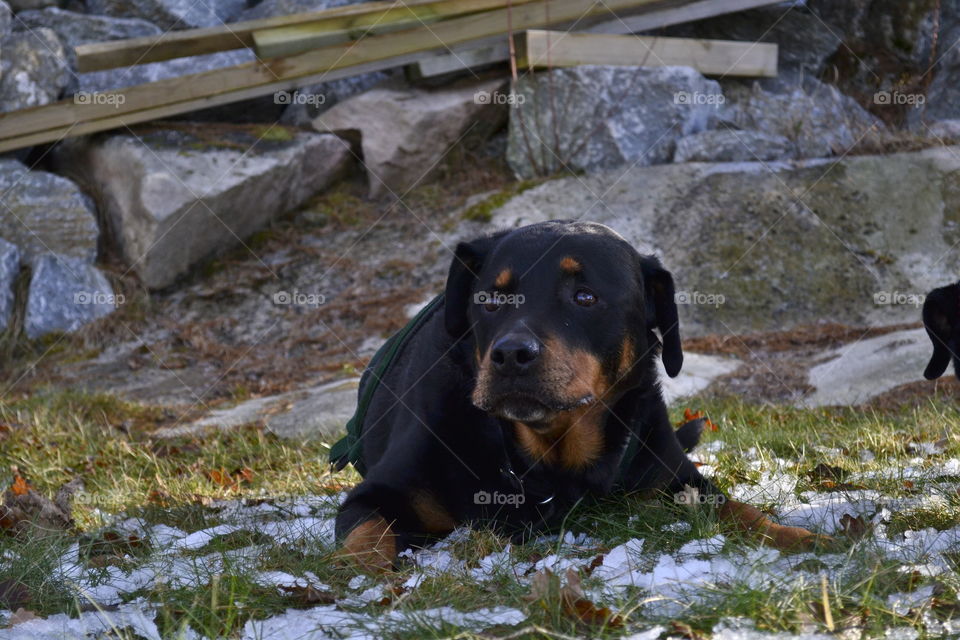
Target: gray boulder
point(944, 131)
point(42, 212)
point(65, 294)
point(270, 8)
point(33, 69)
point(730, 145)
point(597, 117)
point(765, 246)
point(818, 119)
point(142, 73)
point(405, 131)
point(82, 28)
point(9, 270)
point(943, 95)
point(5, 19)
point(805, 41)
point(177, 196)
point(30, 5)
point(171, 14)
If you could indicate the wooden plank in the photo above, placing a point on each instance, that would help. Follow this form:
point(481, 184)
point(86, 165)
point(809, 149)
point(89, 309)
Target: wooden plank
point(710, 57)
point(340, 21)
point(290, 40)
point(444, 62)
point(261, 77)
point(155, 113)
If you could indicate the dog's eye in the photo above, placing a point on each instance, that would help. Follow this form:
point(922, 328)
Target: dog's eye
point(584, 298)
point(491, 304)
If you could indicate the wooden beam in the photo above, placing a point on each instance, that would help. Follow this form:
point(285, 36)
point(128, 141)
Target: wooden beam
point(340, 22)
point(261, 78)
point(541, 49)
point(297, 38)
point(494, 53)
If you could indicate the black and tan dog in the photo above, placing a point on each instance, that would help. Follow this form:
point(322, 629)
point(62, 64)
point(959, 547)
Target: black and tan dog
point(941, 318)
point(532, 386)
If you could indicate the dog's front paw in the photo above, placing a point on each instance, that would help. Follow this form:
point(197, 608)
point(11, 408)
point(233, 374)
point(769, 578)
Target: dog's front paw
point(371, 545)
point(748, 518)
point(795, 538)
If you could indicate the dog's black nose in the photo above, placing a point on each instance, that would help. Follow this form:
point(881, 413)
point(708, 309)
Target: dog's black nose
point(513, 355)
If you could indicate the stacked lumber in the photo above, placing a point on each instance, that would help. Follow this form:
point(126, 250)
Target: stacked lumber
point(303, 49)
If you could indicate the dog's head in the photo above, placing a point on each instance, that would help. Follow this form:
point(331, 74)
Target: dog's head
point(941, 318)
point(561, 315)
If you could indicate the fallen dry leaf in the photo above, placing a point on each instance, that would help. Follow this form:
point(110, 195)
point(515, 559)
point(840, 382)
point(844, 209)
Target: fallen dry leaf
point(231, 480)
point(307, 596)
point(854, 527)
point(22, 509)
point(546, 588)
point(20, 486)
point(685, 631)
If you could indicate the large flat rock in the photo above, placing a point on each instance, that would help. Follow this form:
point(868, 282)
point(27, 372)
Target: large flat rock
point(767, 246)
point(855, 373)
point(175, 197)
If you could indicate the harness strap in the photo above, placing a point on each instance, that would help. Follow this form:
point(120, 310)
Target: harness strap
point(349, 449)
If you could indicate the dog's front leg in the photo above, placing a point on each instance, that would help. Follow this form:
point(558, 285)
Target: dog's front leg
point(745, 517)
point(378, 521)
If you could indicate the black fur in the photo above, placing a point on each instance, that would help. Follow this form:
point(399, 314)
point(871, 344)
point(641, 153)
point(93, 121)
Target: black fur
point(941, 318)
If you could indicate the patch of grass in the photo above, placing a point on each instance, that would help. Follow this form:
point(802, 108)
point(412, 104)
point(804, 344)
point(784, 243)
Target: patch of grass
point(55, 436)
point(483, 211)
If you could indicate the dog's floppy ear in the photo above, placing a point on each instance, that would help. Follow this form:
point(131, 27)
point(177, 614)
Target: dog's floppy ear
point(467, 261)
point(940, 312)
point(662, 311)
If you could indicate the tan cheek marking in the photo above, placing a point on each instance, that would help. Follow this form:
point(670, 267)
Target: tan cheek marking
point(627, 356)
point(372, 545)
point(433, 516)
point(503, 279)
point(570, 265)
point(751, 519)
point(588, 374)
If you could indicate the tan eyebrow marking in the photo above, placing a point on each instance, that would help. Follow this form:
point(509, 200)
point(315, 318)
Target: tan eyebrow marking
point(503, 279)
point(570, 265)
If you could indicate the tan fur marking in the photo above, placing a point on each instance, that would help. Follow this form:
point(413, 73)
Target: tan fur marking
point(570, 265)
point(574, 440)
point(748, 518)
point(627, 356)
point(576, 371)
point(433, 516)
point(503, 279)
point(372, 545)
